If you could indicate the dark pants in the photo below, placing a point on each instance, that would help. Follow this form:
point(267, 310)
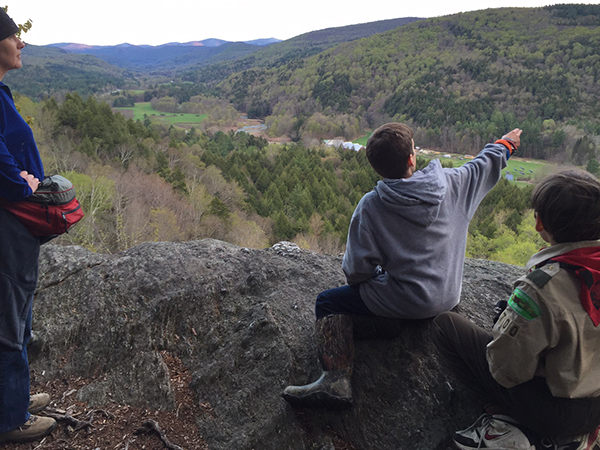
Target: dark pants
point(366, 325)
point(19, 253)
point(341, 300)
point(14, 384)
point(463, 345)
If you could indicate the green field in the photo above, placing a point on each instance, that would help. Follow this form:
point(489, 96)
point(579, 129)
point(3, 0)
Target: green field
point(140, 110)
point(363, 140)
point(526, 169)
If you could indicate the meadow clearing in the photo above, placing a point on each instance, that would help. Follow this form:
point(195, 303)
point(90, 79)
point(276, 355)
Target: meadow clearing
point(144, 109)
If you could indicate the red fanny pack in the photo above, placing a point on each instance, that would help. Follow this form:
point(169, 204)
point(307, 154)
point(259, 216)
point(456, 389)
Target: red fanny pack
point(51, 210)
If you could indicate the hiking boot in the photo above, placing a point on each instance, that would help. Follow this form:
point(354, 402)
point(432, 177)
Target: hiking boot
point(332, 390)
point(34, 429)
point(335, 350)
point(38, 402)
point(589, 441)
point(494, 432)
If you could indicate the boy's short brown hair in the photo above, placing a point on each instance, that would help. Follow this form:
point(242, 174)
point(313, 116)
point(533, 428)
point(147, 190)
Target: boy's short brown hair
point(389, 148)
point(568, 204)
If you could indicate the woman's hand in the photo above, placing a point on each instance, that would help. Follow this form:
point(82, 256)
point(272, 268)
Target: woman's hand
point(32, 181)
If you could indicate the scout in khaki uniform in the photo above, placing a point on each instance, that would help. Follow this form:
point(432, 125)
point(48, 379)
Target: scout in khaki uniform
point(539, 368)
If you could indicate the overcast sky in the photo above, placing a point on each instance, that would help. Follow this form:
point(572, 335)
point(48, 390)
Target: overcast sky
point(152, 22)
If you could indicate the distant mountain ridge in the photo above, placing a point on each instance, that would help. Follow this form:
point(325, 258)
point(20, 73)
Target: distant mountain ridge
point(89, 69)
point(85, 48)
point(176, 57)
point(164, 58)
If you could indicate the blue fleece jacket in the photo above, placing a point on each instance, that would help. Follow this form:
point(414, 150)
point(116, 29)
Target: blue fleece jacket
point(407, 238)
point(17, 150)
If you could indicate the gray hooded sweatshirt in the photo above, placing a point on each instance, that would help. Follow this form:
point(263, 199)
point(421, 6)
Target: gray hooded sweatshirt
point(407, 238)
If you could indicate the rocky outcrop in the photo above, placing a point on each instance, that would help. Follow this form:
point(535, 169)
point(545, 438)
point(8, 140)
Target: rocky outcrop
point(242, 321)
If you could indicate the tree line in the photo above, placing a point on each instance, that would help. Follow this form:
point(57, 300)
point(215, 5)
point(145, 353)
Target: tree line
point(144, 181)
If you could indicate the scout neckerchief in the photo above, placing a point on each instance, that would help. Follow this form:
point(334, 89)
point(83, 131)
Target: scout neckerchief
point(584, 263)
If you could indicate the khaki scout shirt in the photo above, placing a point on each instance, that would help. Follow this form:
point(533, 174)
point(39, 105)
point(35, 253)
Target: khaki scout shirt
point(546, 332)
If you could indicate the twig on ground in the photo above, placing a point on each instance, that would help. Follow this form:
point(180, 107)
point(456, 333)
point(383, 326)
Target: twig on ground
point(77, 424)
point(150, 426)
point(41, 444)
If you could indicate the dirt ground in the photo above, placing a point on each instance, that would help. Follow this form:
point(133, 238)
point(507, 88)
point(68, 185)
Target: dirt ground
point(119, 427)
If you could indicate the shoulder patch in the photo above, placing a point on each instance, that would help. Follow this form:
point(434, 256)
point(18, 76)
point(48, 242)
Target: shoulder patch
point(523, 305)
point(541, 276)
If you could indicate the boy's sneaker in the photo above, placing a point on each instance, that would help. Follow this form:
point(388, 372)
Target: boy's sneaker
point(494, 432)
point(34, 429)
point(38, 402)
point(584, 442)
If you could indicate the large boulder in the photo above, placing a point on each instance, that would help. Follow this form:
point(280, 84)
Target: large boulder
point(242, 322)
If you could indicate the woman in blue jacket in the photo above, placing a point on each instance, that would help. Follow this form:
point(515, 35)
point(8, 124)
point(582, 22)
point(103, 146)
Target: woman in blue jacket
point(20, 171)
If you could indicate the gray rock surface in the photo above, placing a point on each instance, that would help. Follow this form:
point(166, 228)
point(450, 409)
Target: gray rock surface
point(242, 321)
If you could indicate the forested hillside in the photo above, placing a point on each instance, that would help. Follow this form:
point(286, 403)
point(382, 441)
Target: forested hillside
point(293, 50)
point(50, 71)
point(60, 68)
point(459, 80)
point(143, 181)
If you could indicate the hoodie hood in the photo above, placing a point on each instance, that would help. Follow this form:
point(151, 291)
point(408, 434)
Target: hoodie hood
point(418, 198)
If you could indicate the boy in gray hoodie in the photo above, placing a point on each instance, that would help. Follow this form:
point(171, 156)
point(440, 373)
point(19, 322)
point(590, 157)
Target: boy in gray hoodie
point(405, 250)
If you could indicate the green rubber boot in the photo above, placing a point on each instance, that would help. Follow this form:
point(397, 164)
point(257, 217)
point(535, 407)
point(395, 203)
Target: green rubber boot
point(335, 349)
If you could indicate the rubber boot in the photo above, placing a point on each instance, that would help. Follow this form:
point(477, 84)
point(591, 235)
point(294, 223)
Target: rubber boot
point(335, 350)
